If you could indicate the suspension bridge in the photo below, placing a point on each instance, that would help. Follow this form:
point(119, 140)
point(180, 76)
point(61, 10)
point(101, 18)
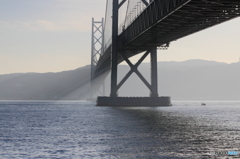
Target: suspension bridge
point(131, 27)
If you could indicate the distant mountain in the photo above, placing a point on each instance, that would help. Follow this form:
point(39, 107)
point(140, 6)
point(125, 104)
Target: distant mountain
point(189, 64)
point(45, 86)
point(8, 76)
point(188, 80)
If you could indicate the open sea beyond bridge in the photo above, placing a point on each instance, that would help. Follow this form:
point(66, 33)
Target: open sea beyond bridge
point(78, 129)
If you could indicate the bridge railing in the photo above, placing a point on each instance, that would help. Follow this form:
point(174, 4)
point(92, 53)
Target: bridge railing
point(133, 10)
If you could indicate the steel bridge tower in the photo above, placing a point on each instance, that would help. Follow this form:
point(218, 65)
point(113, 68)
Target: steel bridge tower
point(96, 52)
point(114, 100)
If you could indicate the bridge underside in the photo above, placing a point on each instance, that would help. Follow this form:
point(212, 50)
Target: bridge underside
point(182, 18)
point(170, 20)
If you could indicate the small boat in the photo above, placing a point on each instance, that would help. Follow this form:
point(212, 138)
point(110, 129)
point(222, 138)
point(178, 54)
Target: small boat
point(203, 104)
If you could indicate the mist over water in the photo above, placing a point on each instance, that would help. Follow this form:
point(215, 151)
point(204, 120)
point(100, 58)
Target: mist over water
point(66, 129)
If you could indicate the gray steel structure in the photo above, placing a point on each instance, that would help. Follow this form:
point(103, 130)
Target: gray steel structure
point(114, 59)
point(96, 44)
point(162, 22)
point(96, 52)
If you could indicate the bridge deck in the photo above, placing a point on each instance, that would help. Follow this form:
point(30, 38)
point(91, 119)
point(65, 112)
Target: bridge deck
point(173, 20)
point(164, 21)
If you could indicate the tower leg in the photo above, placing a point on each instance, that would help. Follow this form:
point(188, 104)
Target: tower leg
point(154, 75)
point(114, 49)
point(92, 59)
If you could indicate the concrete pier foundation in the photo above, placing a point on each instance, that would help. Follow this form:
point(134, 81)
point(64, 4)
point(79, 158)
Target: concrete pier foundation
point(134, 101)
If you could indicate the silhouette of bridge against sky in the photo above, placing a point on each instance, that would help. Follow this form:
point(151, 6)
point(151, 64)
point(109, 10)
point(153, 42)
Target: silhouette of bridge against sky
point(135, 26)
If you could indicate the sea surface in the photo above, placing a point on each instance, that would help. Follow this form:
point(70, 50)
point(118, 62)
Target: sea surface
point(79, 129)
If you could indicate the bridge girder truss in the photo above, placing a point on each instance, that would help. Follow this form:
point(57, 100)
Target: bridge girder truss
point(164, 21)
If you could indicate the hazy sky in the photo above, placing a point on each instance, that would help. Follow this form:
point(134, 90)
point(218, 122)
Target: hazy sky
point(55, 35)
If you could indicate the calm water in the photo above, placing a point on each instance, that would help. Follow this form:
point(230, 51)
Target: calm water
point(81, 130)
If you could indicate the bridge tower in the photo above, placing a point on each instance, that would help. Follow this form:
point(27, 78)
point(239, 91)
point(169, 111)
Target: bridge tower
point(114, 100)
point(114, 87)
point(96, 53)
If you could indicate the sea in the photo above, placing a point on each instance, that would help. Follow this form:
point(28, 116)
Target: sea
point(79, 130)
